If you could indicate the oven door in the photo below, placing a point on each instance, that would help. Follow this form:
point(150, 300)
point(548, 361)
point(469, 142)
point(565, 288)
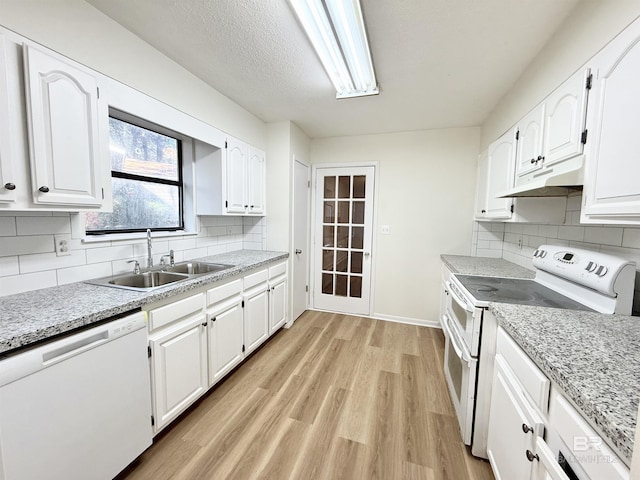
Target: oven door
point(460, 369)
point(466, 317)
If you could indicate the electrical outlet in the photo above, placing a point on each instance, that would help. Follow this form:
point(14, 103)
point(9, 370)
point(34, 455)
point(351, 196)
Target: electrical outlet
point(62, 244)
point(385, 230)
point(229, 230)
point(520, 243)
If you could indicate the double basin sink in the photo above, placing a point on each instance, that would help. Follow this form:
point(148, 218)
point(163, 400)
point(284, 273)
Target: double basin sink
point(152, 279)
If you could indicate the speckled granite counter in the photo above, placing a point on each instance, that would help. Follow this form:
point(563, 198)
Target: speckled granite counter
point(484, 266)
point(41, 314)
point(594, 358)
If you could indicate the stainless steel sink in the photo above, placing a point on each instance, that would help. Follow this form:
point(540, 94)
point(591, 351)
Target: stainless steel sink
point(197, 268)
point(141, 281)
point(145, 281)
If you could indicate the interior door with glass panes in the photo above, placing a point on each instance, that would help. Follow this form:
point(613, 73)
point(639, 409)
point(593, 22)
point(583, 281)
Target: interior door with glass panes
point(343, 235)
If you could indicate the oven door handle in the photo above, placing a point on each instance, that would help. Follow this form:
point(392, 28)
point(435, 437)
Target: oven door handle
point(450, 332)
point(455, 293)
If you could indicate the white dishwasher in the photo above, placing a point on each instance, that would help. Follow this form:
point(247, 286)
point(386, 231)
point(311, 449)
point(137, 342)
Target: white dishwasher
point(78, 407)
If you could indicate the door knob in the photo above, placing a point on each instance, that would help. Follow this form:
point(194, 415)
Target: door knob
point(298, 251)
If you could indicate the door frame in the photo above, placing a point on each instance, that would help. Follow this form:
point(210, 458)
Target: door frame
point(292, 247)
point(374, 228)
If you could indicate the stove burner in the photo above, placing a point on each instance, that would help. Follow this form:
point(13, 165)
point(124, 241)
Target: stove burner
point(487, 288)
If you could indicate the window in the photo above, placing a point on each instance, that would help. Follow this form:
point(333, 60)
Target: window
point(146, 174)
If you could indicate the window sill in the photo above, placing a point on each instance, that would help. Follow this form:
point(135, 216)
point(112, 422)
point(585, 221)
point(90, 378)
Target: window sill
point(123, 237)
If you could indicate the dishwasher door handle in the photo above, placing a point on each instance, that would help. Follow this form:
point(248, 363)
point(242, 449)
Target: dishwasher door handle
point(62, 352)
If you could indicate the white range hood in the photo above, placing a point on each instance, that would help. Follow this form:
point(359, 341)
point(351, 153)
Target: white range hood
point(550, 181)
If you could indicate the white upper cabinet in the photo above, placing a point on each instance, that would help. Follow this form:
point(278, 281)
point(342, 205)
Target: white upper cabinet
point(529, 136)
point(65, 120)
point(481, 186)
point(236, 176)
point(500, 164)
point(612, 190)
point(551, 136)
point(7, 178)
point(564, 121)
point(230, 180)
point(257, 181)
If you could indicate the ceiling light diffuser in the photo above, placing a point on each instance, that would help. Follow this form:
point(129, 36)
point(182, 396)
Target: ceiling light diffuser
point(338, 35)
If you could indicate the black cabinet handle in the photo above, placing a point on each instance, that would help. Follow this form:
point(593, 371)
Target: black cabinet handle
point(10, 186)
point(533, 160)
point(44, 189)
point(532, 456)
point(526, 428)
point(205, 324)
point(483, 211)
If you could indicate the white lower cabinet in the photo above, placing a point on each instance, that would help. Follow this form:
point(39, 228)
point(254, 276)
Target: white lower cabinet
point(256, 310)
point(519, 400)
point(277, 296)
point(197, 340)
point(178, 348)
point(511, 418)
point(225, 329)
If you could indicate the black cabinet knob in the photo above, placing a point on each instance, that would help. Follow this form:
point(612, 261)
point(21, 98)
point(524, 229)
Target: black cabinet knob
point(44, 189)
point(10, 186)
point(532, 456)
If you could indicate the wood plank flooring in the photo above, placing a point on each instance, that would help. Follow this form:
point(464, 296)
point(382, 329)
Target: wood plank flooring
point(333, 397)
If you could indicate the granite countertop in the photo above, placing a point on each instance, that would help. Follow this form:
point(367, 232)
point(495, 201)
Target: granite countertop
point(41, 314)
point(486, 267)
point(594, 358)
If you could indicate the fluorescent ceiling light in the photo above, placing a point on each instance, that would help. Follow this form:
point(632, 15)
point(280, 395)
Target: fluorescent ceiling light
point(336, 31)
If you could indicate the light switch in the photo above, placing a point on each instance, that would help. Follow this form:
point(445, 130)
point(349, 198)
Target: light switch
point(385, 229)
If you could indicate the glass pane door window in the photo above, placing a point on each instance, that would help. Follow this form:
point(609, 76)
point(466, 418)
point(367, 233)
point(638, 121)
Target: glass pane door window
point(344, 213)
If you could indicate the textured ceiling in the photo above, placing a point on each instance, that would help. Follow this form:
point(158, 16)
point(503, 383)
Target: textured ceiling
point(439, 63)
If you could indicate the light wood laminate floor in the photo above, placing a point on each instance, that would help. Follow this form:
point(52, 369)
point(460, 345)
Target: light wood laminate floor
point(333, 397)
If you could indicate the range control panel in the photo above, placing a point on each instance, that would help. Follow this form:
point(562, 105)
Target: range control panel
point(592, 269)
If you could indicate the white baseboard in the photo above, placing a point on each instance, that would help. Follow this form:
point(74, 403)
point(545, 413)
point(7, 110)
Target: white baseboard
point(390, 318)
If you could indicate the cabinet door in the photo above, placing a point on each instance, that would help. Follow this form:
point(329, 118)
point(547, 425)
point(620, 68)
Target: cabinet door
point(277, 304)
point(178, 369)
point(225, 339)
point(612, 170)
point(256, 317)
point(509, 417)
point(564, 120)
point(500, 175)
point(7, 180)
point(236, 168)
point(529, 151)
point(481, 186)
point(257, 181)
point(64, 128)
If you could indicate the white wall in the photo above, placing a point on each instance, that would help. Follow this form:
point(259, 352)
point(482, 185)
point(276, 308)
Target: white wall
point(591, 25)
point(284, 141)
point(426, 194)
point(79, 31)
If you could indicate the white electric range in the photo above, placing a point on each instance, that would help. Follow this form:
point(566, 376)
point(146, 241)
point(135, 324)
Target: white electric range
point(566, 277)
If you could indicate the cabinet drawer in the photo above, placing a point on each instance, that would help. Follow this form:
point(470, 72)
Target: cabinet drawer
point(162, 316)
point(256, 278)
point(277, 270)
point(218, 294)
point(583, 442)
point(533, 381)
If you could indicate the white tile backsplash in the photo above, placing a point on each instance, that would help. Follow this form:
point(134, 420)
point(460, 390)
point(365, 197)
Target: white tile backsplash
point(28, 260)
point(43, 225)
point(28, 281)
point(7, 226)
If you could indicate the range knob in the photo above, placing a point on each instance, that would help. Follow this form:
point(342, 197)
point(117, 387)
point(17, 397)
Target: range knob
point(542, 254)
point(602, 271)
point(591, 267)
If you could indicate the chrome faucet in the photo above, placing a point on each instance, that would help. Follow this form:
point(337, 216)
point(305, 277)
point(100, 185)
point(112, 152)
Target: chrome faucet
point(149, 256)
